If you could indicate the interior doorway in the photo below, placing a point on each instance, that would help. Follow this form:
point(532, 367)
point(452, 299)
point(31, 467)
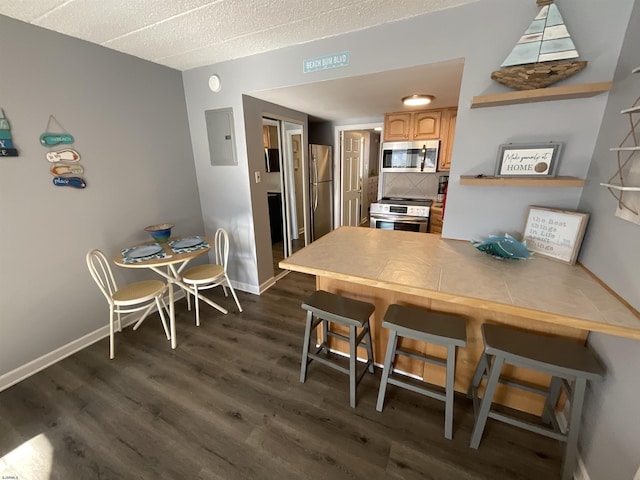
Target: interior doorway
point(284, 178)
point(359, 171)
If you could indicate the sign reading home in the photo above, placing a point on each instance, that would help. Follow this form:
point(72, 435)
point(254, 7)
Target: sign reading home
point(527, 160)
point(328, 61)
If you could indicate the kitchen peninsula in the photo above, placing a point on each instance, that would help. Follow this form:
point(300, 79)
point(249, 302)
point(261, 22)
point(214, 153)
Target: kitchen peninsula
point(538, 294)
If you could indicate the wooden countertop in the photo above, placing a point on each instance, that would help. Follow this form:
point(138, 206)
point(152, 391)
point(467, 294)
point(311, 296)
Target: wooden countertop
point(455, 272)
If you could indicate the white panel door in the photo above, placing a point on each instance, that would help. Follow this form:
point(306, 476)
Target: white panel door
point(351, 178)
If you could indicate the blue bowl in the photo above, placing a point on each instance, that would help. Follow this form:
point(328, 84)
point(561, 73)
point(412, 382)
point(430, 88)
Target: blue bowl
point(160, 232)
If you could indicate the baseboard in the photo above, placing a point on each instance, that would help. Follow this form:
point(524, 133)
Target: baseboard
point(24, 371)
point(581, 470)
point(245, 287)
point(266, 285)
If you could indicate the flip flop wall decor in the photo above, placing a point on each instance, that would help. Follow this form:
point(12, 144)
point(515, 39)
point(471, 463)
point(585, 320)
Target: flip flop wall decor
point(76, 182)
point(8, 152)
point(66, 155)
point(49, 139)
point(62, 169)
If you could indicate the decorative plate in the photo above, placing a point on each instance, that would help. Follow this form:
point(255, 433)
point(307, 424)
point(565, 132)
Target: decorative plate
point(503, 247)
point(186, 242)
point(143, 251)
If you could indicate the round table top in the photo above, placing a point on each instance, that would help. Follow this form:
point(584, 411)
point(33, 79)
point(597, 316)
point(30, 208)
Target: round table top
point(170, 258)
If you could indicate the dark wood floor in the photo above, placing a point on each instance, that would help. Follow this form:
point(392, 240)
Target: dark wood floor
point(228, 404)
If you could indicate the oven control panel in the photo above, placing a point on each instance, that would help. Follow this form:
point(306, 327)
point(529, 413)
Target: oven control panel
point(410, 210)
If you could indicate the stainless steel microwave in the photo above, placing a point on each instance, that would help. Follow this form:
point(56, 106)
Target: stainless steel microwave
point(418, 156)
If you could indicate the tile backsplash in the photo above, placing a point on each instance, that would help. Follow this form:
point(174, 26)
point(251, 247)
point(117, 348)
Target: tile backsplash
point(411, 185)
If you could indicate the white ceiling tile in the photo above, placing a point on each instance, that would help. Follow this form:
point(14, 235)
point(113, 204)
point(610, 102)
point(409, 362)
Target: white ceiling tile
point(28, 10)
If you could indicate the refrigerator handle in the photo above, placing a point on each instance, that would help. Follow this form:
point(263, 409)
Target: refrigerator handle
point(315, 181)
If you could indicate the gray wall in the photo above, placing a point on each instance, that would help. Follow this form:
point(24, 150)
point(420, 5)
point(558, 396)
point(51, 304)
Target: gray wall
point(611, 250)
point(129, 121)
point(478, 33)
point(472, 212)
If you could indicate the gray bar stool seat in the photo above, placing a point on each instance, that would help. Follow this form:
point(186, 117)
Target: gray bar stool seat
point(328, 307)
point(428, 326)
point(570, 365)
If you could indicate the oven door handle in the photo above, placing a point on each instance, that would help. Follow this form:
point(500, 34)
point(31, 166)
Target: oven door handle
point(402, 218)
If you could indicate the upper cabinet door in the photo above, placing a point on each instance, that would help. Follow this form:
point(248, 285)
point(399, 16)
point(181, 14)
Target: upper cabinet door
point(448, 130)
point(426, 125)
point(397, 127)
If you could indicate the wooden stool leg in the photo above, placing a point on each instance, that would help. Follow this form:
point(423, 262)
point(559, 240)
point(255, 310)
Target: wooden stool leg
point(448, 406)
point(325, 336)
point(305, 348)
point(388, 366)
point(353, 361)
point(571, 451)
point(477, 376)
point(552, 399)
point(367, 338)
point(485, 405)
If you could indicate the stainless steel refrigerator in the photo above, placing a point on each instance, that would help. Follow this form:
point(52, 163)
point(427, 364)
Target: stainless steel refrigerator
point(320, 190)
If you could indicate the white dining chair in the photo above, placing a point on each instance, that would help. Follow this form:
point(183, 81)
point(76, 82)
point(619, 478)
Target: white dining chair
point(143, 295)
point(203, 277)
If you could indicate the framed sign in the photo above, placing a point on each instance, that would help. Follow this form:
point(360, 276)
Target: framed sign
point(556, 234)
point(528, 160)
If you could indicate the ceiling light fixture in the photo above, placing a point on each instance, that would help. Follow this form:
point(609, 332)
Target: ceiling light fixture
point(416, 100)
point(214, 83)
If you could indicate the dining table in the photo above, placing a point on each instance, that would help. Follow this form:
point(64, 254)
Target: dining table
point(168, 259)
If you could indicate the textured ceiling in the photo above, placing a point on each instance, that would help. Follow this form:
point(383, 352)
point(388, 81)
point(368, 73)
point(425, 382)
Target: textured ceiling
point(184, 34)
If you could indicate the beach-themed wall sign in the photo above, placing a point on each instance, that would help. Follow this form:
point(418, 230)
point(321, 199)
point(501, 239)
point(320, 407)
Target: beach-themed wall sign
point(7, 148)
point(528, 160)
point(553, 233)
point(64, 159)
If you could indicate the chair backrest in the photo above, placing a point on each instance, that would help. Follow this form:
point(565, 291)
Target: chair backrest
point(221, 242)
point(101, 273)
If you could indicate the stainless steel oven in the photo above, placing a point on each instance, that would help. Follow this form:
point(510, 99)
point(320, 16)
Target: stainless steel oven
point(400, 214)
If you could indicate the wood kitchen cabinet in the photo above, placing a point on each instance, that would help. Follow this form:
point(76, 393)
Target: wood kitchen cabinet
point(435, 217)
point(410, 126)
point(448, 130)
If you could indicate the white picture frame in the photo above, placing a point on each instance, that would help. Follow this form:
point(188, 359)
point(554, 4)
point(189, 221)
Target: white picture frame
point(528, 159)
point(553, 233)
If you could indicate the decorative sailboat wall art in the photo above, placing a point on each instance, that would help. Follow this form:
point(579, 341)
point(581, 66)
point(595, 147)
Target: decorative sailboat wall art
point(544, 55)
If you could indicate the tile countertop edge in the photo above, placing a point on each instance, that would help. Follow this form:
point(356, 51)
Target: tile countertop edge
point(482, 304)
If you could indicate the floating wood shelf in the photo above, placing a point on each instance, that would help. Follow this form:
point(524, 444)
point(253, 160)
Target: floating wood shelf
point(541, 94)
point(521, 182)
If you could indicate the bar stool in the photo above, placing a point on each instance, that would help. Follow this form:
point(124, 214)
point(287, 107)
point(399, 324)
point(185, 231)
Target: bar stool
point(570, 365)
point(428, 326)
point(328, 307)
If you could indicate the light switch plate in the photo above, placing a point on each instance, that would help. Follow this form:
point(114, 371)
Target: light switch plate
point(257, 177)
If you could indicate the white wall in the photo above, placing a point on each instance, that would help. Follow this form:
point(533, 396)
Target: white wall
point(129, 121)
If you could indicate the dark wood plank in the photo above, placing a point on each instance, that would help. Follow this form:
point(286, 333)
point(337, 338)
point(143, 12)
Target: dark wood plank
point(228, 404)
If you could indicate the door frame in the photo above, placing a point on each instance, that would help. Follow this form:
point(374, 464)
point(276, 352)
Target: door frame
point(337, 180)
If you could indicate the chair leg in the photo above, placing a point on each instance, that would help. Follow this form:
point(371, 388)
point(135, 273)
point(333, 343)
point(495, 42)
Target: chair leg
point(188, 300)
point(388, 366)
point(571, 450)
point(353, 361)
point(481, 368)
point(448, 406)
point(369, 348)
point(325, 336)
point(487, 399)
point(164, 321)
point(552, 399)
point(111, 340)
point(305, 348)
point(233, 292)
point(196, 300)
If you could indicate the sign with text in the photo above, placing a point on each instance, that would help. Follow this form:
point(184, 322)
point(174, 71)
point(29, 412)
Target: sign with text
point(555, 233)
point(328, 61)
point(531, 160)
